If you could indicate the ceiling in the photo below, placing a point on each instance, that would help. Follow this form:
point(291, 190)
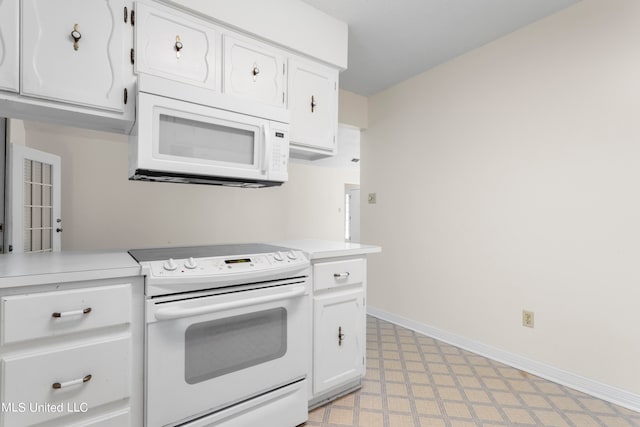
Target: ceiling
point(392, 40)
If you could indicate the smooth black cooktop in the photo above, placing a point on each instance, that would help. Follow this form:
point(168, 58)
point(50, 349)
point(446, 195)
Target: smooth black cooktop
point(158, 254)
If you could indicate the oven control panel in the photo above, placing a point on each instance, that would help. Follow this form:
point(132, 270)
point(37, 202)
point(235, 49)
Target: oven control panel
point(223, 266)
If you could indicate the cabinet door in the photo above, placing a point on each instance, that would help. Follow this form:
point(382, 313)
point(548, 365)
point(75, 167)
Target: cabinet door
point(313, 101)
point(89, 71)
point(9, 45)
point(176, 46)
point(254, 71)
point(339, 339)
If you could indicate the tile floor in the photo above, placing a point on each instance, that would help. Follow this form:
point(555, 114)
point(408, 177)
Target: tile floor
point(416, 381)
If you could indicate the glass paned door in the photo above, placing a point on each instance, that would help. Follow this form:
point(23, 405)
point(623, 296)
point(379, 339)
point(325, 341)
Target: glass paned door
point(34, 199)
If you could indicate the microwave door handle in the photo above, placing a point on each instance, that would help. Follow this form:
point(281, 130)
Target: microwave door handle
point(265, 150)
point(177, 313)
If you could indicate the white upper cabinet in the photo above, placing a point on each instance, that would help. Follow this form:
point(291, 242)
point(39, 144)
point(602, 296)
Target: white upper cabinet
point(9, 45)
point(313, 101)
point(176, 46)
point(73, 52)
point(254, 71)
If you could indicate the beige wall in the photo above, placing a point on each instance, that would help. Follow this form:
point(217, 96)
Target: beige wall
point(101, 209)
point(353, 109)
point(509, 179)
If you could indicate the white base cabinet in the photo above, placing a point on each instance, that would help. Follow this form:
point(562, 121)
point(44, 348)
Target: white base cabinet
point(339, 327)
point(71, 354)
point(339, 338)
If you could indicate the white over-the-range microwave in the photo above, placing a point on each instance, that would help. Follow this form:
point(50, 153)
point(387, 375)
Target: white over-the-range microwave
point(178, 141)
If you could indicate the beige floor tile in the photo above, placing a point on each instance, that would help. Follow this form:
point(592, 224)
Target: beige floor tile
point(415, 366)
point(414, 357)
point(394, 376)
point(370, 401)
point(450, 393)
point(583, 420)
point(370, 419)
point(341, 416)
point(518, 416)
point(535, 400)
point(418, 378)
point(565, 403)
point(427, 407)
point(431, 422)
point(397, 390)
point(468, 382)
point(392, 364)
point(596, 405)
point(477, 396)
point(317, 414)
point(399, 404)
point(422, 391)
point(391, 355)
point(551, 418)
point(438, 368)
point(458, 410)
point(504, 398)
point(521, 386)
point(487, 413)
point(615, 422)
point(443, 379)
point(396, 420)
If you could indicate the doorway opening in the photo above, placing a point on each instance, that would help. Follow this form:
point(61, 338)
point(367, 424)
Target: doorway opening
point(352, 213)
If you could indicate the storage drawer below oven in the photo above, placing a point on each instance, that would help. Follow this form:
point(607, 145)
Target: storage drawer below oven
point(285, 407)
point(50, 384)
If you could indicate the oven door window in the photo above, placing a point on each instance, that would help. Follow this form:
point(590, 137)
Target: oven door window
point(222, 346)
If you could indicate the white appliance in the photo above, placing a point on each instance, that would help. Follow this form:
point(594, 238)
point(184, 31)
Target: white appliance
point(178, 141)
point(228, 335)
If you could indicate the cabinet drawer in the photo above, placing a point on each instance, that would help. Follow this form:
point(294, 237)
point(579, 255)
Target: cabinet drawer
point(30, 380)
point(327, 275)
point(254, 71)
point(31, 316)
point(176, 46)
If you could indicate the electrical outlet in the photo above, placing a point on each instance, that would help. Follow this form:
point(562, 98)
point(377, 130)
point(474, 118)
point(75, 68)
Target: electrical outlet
point(527, 318)
point(372, 198)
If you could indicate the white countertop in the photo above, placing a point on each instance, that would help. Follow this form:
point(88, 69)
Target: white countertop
point(66, 266)
point(319, 249)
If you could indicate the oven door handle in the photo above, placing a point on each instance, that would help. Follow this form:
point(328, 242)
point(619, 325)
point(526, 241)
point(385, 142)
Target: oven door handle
point(170, 313)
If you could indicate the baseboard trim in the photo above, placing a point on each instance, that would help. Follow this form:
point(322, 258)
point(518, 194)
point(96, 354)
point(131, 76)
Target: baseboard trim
point(597, 389)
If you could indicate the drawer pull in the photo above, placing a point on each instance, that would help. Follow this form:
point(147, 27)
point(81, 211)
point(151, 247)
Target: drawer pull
point(58, 314)
point(340, 335)
point(58, 386)
point(344, 275)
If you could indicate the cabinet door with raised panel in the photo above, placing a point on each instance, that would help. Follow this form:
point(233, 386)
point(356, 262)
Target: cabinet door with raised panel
point(254, 71)
point(339, 338)
point(74, 51)
point(9, 45)
point(313, 101)
point(176, 46)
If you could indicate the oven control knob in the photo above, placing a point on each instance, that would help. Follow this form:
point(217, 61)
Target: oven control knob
point(191, 263)
point(292, 255)
point(170, 265)
point(278, 256)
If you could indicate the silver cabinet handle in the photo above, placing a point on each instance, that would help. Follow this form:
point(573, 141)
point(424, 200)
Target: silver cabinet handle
point(341, 275)
point(58, 314)
point(58, 386)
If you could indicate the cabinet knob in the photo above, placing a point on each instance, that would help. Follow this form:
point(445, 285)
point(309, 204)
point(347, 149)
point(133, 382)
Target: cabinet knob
point(255, 72)
point(76, 36)
point(313, 103)
point(178, 46)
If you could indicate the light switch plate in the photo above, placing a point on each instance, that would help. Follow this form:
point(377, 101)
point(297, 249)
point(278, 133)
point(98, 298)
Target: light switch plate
point(372, 198)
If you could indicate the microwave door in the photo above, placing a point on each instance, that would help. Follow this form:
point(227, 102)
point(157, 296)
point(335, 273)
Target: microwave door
point(184, 138)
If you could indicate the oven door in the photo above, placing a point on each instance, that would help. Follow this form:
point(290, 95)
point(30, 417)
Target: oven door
point(209, 352)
